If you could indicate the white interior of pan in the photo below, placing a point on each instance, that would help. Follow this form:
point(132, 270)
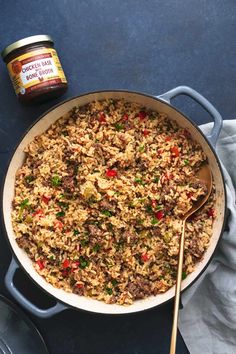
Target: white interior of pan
point(8, 194)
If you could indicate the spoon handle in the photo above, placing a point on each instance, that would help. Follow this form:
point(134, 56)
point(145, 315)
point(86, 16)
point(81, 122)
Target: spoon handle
point(177, 291)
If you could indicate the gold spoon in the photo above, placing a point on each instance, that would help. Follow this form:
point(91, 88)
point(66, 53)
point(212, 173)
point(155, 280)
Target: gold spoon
point(204, 175)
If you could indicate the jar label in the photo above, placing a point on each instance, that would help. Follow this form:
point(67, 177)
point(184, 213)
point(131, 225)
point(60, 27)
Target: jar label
point(36, 69)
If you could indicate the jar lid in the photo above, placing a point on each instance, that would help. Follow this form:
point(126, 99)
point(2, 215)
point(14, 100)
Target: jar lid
point(26, 41)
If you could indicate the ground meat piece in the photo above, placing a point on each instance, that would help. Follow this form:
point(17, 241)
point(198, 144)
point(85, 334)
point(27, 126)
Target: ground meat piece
point(14, 203)
point(194, 248)
point(35, 164)
point(72, 168)
point(78, 291)
point(94, 230)
point(198, 184)
point(66, 155)
point(112, 299)
point(129, 235)
point(128, 125)
point(169, 205)
point(139, 289)
point(100, 154)
point(106, 205)
point(46, 182)
point(84, 108)
point(167, 189)
point(142, 166)
point(68, 183)
point(24, 242)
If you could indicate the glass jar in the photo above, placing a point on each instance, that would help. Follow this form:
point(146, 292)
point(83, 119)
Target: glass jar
point(34, 68)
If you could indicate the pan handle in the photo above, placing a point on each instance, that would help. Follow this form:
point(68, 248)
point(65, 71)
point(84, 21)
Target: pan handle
point(188, 91)
point(21, 299)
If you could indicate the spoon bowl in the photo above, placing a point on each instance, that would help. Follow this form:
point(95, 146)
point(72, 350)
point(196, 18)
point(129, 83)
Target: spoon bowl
point(204, 175)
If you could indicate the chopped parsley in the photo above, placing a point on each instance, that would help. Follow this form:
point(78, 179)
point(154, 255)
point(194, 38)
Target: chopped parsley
point(114, 282)
point(29, 178)
point(140, 221)
point(155, 180)
point(152, 117)
point(139, 181)
point(24, 203)
point(141, 148)
point(84, 242)
point(92, 200)
point(106, 213)
point(110, 227)
point(60, 214)
point(119, 245)
point(76, 168)
point(154, 221)
point(83, 262)
point(63, 205)
point(184, 275)
point(148, 208)
point(186, 162)
point(96, 248)
point(56, 181)
point(65, 133)
point(109, 291)
point(119, 127)
point(76, 232)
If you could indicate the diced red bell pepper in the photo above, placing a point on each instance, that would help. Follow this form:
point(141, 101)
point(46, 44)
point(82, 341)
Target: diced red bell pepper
point(39, 212)
point(40, 264)
point(79, 286)
point(111, 173)
point(189, 195)
point(66, 263)
point(159, 152)
point(159, 214)
point(145, 257)
point(146, 132)
point(46, 198)
point(168, 138)
point(175, 151)
point(58, 224)
point(153, 203)
point(125, 117)
point(102, 118)
point(142, 115)
point(211, 213)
